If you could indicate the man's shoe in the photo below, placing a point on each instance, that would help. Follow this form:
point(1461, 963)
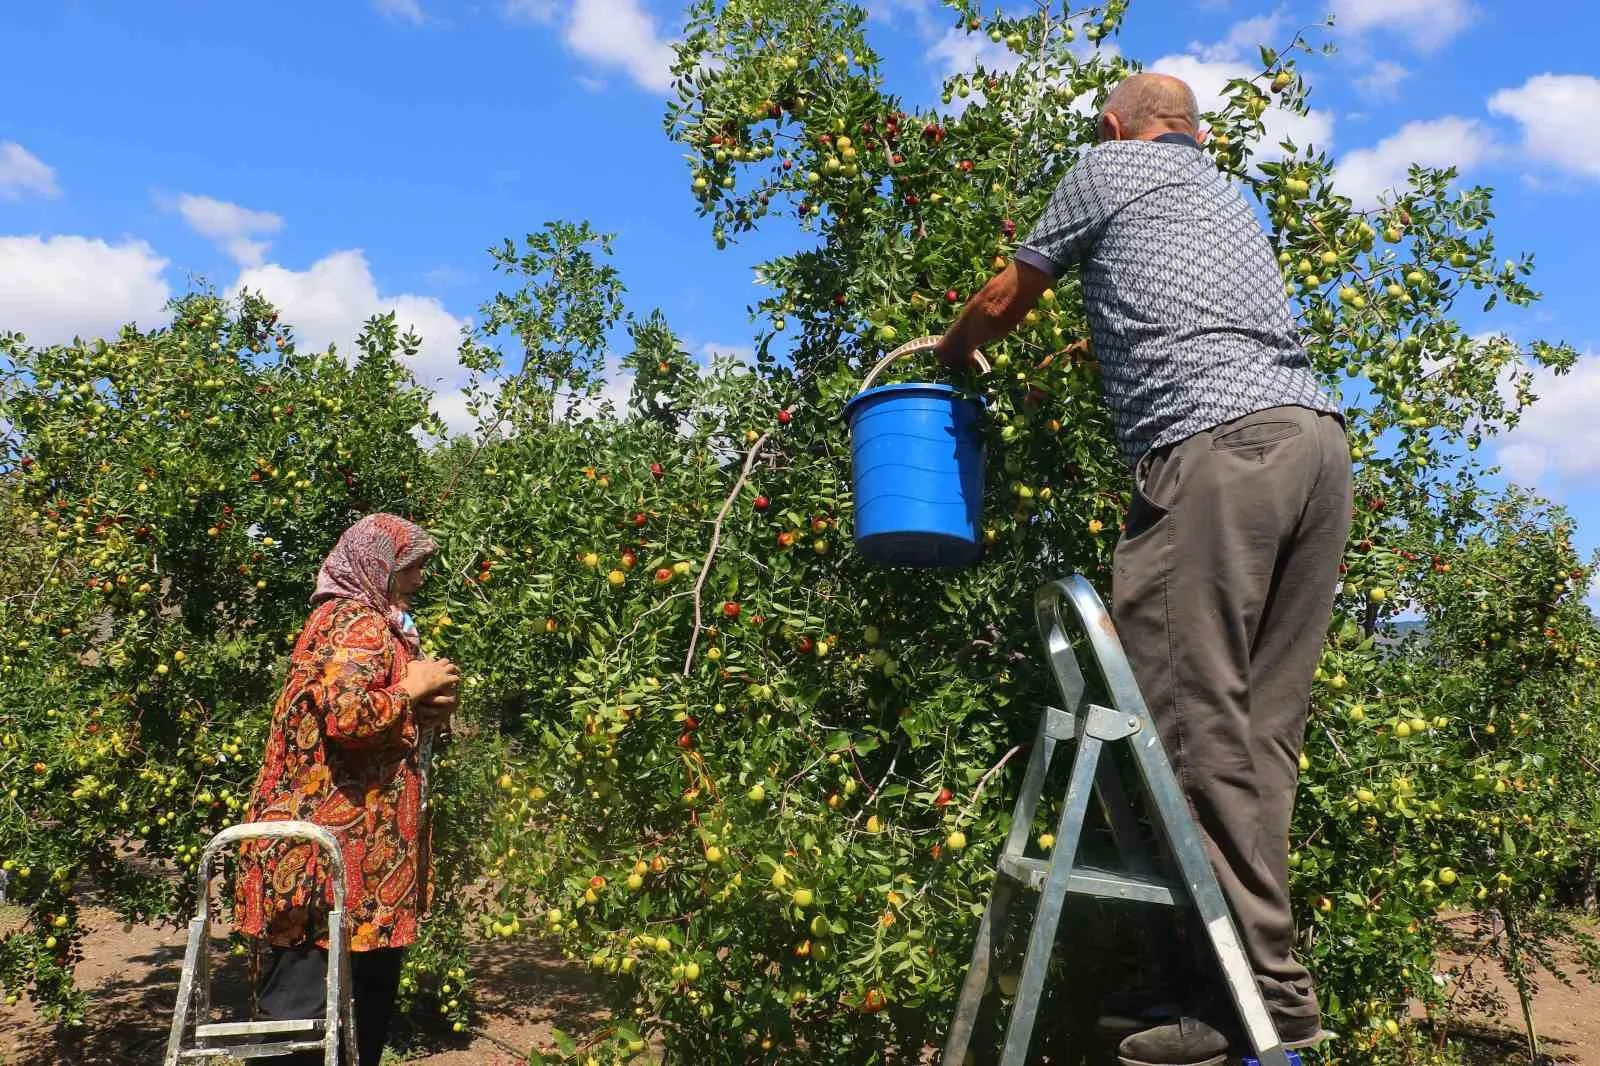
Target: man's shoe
point(1185, 1042)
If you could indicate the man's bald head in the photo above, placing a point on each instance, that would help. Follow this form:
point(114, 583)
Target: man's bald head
point(1145, 106)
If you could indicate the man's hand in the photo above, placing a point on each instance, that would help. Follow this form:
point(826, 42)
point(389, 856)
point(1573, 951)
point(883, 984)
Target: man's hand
point(954, 355)
point(993, 312)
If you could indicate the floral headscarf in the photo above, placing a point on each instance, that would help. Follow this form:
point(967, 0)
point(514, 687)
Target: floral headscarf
point(366, 557)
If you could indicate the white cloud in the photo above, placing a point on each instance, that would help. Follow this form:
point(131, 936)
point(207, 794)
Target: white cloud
point(232, 228)
point(1552, 110)
point(1209, 67)
point(56, 288)
point(1244, 39)
point(924, 16)
point(960, 52)
point(328, 302)
point(1425, 24)
point(405, 10)
point(1452, 141)
point(618, 387)
point(1383, 81)
point(1538, 183)
point(1558, 435)
point(1209, 80)
point(451, 407)
point(610, 33)
point(1523, 463)
point(23, 173)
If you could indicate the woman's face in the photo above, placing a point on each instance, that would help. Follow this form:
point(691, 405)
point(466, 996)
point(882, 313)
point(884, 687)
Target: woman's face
point(404, 585)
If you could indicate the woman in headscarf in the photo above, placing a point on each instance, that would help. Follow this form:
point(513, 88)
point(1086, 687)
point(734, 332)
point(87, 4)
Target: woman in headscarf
point(342, 752)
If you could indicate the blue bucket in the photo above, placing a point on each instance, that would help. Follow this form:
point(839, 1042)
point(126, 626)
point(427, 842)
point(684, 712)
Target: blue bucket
point(1251, 1060)
point(917, 470)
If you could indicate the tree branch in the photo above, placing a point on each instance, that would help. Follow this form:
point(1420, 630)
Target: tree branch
point(716, 539)
point(54, 563)
point(990, 773)
point(884, 780)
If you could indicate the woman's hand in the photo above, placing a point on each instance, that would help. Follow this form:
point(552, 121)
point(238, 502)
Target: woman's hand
point(426, 679)
point(434, 712)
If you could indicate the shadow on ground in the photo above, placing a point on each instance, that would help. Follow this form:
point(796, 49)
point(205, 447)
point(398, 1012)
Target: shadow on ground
point(129, 1013)
point(523, 992)
point(131, 977)
point(1484, 1046)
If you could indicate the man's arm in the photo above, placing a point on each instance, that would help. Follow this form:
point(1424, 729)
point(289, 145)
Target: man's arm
point(992, 313)
point(1070, 226)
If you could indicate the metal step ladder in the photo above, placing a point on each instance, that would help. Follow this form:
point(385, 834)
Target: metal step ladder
point(263, 1039)
point(1093, 727)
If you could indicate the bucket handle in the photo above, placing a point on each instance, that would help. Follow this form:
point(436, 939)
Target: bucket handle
point(914, 347)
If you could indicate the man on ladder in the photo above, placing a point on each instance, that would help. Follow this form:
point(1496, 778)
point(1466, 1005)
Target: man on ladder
point(1226, 571)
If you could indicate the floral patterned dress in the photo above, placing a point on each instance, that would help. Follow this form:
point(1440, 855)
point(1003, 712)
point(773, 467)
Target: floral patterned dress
point(342, 753)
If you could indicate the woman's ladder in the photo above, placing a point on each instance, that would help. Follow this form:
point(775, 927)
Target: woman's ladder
point(1093, 726)
point(194, 1039)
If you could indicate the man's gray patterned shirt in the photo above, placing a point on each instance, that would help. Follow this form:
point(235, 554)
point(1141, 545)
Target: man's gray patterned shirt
point(1185, 303)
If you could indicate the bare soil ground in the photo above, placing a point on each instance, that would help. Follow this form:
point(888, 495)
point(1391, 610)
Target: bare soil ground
point(1566, 1018)
point(131, 974)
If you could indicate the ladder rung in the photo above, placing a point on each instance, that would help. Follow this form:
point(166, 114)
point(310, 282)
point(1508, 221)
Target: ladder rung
point(1108, 884)
point(1059, 724)
point(251, 1051)
point(283, 1027)
point(1088, 881)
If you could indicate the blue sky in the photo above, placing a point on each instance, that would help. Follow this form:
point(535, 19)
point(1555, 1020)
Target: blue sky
point(350, 156)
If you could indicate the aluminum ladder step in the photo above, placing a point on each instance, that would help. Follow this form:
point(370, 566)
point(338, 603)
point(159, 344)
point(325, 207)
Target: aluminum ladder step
point(226, 1030)
point(250, 1051)
point(1089, 881)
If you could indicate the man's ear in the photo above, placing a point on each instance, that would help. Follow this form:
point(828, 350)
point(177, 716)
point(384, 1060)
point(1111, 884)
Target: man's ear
point(1110, 127)
point(1203, 136)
